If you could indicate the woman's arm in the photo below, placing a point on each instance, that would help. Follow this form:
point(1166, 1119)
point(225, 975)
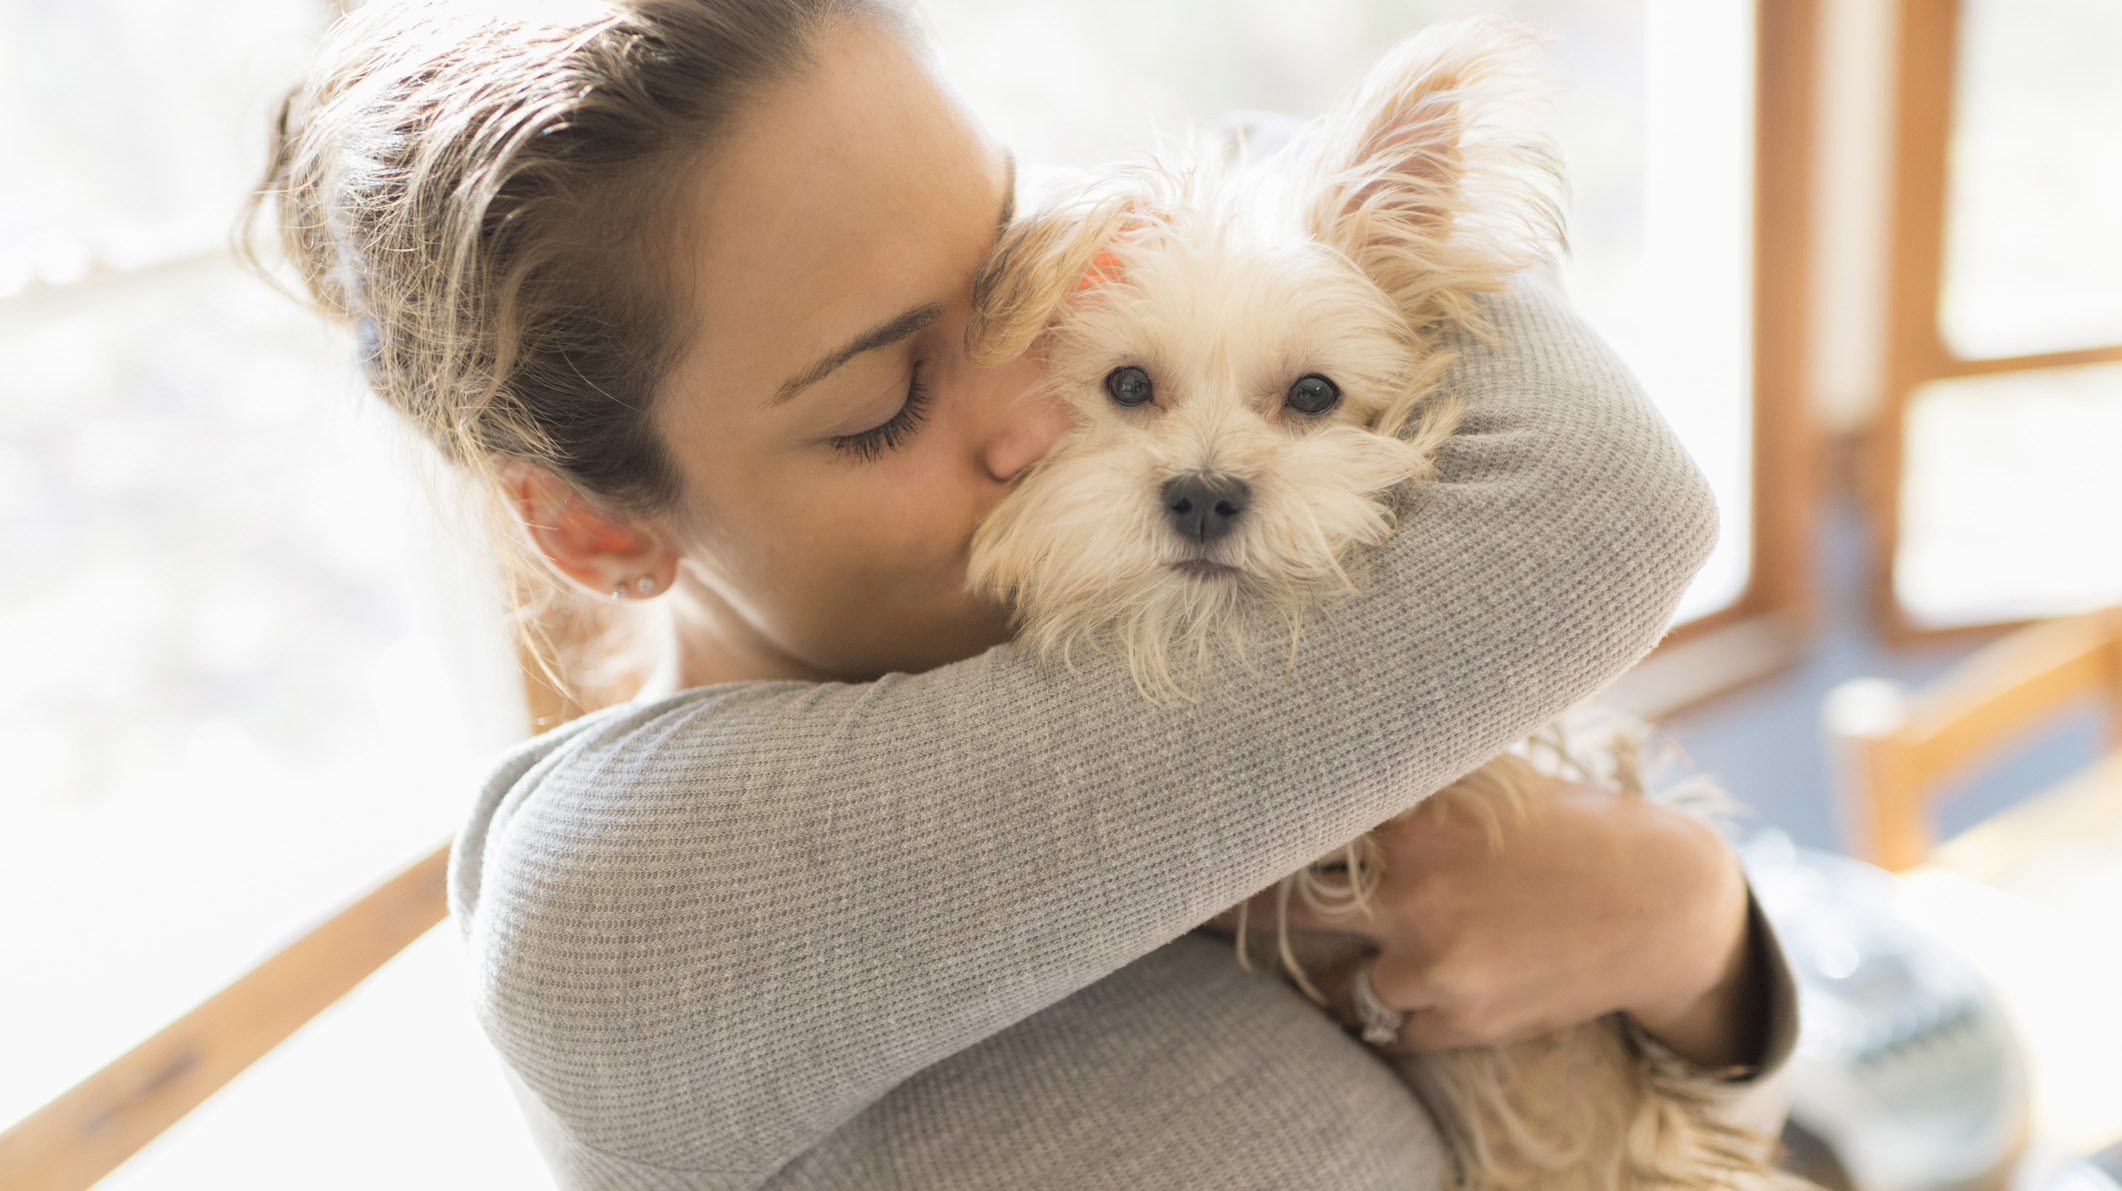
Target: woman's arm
point(709, 929)
point(1764, 1003)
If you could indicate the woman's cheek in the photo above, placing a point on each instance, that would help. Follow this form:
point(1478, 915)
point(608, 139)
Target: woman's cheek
point(935, 511)
point(874, 527)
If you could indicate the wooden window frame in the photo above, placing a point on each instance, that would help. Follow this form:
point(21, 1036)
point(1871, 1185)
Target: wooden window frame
point(1763, 629)
point(1926, 64)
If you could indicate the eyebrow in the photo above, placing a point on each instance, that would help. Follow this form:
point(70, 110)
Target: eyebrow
point(900, 327)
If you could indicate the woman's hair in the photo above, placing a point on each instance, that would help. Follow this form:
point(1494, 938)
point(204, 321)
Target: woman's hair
point(484, 192)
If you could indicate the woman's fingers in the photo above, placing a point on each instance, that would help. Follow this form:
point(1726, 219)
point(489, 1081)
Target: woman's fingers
point(1441, 1014)
point(1370, 920)
point(1434, 1030)
point(1261, 910)
point(1338, 984)
point(1396, 984)
point(1437, 1018)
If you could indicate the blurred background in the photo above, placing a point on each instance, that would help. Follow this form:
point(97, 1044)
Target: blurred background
point(1862, 252)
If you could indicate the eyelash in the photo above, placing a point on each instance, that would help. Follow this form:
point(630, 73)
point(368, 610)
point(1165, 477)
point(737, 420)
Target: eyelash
point(870, 445)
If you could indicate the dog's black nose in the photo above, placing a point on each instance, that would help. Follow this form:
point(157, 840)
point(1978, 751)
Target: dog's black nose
point(1203, 506)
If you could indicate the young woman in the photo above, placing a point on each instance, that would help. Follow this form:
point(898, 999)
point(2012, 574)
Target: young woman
point(852, 894)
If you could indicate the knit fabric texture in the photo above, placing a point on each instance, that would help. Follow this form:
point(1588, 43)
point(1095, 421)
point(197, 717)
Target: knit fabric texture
point(933, 931)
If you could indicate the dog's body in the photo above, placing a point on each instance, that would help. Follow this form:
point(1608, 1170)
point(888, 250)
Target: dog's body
point(1252, 357)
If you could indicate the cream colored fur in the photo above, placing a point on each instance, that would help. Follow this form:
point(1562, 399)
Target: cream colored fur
point(1347, 255)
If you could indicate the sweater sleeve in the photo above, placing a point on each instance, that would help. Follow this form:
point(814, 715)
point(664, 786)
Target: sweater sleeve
point(707, 930)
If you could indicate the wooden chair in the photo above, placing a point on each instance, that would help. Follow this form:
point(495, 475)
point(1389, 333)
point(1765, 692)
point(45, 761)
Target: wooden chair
point(87, 1131)
point(1904, 751)
point(2031, 896)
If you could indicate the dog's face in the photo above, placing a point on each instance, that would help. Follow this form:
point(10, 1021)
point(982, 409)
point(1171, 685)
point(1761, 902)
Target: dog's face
point(1225, 388)
point(1249, 357)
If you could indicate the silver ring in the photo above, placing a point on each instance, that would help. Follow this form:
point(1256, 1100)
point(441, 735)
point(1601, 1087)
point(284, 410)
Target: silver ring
point(1381, 1022)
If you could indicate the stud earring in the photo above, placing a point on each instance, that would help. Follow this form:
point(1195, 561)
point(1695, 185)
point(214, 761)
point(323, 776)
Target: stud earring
point(646, 585)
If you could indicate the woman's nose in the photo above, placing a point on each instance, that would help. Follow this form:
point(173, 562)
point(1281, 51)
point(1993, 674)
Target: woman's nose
point(1028, 421)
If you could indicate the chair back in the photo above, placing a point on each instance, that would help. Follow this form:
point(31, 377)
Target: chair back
point(1905, 751)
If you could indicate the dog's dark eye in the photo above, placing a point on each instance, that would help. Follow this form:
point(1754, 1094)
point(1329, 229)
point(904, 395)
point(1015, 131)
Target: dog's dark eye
point(1129, 385)
point(1312, 394)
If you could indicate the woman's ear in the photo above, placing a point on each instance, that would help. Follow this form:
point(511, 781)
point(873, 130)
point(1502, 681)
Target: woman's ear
point(604, 553)
point(1413, 176)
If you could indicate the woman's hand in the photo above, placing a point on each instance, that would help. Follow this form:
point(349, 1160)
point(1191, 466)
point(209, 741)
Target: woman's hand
point(1593, 902)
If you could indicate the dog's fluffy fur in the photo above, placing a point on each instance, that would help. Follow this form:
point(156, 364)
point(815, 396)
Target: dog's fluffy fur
point(1345, 256)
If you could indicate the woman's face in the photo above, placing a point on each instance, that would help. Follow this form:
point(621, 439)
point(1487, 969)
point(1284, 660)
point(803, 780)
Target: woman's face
point(835, 446)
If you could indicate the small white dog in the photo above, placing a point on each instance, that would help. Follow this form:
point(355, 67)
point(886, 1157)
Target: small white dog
point(1251, 356)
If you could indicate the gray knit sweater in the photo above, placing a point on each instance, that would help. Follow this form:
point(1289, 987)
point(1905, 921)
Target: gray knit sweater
point(933, 931)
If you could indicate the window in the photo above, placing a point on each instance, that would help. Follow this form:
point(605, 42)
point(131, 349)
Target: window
point(1993, 462)
point(224, 587)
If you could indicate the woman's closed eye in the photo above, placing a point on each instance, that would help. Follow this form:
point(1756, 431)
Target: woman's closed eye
point(871, 444)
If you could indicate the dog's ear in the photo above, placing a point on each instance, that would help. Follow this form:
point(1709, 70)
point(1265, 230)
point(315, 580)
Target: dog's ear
point(1066, 248)
point(1414, 176)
